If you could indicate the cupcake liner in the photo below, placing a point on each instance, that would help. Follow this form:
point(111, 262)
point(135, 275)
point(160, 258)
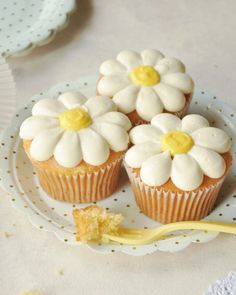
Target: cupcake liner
point(89, 187)
point(165, 206)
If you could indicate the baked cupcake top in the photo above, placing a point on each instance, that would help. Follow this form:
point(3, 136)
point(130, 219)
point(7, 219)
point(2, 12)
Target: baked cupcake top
point(181, 150)
point(147, 82)
point(73, 128)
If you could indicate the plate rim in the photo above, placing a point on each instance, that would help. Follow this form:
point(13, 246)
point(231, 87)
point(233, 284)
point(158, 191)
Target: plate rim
point(49, 34)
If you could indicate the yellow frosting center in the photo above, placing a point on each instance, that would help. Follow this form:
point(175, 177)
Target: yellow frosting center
point(75, 119)
point(176, 142)
point(145, 76)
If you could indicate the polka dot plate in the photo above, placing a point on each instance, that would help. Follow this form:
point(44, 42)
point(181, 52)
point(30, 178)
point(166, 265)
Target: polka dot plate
point(19, 179)
point(7, 94)
point(26, 24)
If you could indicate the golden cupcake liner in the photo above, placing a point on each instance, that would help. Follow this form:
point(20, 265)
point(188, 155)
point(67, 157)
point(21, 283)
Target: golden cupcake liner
point(165, 206)
point(89, 187)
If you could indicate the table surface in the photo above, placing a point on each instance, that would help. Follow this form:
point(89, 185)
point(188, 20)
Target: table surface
point(202, 34)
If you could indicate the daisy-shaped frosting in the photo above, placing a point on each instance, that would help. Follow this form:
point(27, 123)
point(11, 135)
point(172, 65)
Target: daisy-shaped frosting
point(183, 150)
point(148, 83)
point(73, 128)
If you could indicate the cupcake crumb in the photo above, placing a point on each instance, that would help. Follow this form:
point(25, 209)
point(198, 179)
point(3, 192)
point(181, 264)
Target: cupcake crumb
point(6, 234)
point(61, 272)
point(94, 221)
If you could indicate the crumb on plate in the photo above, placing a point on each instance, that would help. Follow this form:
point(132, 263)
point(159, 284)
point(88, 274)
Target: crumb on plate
point(94, 221)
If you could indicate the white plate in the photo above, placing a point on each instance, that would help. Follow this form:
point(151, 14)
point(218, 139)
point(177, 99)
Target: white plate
point(7, 94)
point(19, 180)
point(25, 24)
point(223, 286)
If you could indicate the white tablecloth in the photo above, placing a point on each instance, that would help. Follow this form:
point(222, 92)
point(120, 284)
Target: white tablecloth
point(202, 34)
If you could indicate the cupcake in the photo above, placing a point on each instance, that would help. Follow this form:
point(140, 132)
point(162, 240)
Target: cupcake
point(146, 84)
point(177, 167)
point(76, 146)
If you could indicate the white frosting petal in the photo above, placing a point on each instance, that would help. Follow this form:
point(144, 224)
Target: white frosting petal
point(172, 98)
point(137, 154)
point(94, 147)
point(166, 122)
point(109, 85)
point(148, 103)
point(43, 145)
point(192, 122)
point(68, 151)
point(186, 173)
point(126, 98)
point(111, 66)
point(151, 56)
point(170, 65)
point(155, 171)
point(130, 59)
point(212, 138)
point(33, 125)
point(99, 105)
point(115, 136)
point(115, 118)
point(48, 107)
point(72, 99)
point(211, 163)
point(144, 133)
point(179, 80)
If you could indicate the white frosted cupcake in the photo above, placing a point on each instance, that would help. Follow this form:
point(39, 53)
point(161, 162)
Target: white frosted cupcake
point(177, 167)
point(76, 145)
point(146, 84)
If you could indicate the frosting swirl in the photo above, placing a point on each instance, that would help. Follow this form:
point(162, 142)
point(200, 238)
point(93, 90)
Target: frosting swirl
point(145, 76)
point(176, 142)
point(75, 119)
